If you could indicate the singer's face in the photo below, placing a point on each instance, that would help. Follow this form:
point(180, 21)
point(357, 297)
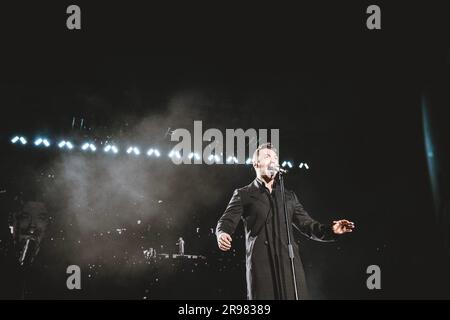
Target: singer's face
point(30, 222)
point(267, 158)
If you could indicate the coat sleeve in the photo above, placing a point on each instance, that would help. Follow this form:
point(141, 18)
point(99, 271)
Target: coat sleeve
point(310, 227)
point(230, 218)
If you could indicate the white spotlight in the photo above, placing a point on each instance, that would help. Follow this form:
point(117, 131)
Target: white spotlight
point(150, 152)
point(157, 153)
point(38, 141)
point(136, 151)
point(107, 148)
point(129, 150)
point(85, 146)
point(176, 154)
point(92, 147)
point(69, 145)
point(46, 142)
point(248, 161)
point(114, 149)
point(61, 144)
point(15, 139)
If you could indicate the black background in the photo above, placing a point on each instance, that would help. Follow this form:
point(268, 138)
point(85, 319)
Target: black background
point(346, 99)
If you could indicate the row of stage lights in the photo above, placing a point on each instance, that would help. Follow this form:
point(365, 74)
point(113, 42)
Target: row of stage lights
point(110, 148)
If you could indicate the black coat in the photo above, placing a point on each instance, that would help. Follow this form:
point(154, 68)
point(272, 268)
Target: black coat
point(268, 268)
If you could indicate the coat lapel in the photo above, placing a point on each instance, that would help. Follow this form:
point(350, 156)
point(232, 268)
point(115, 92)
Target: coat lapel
point(255, 192)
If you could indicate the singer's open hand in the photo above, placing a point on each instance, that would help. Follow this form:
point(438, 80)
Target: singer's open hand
point(343, 226)
point(224, 241)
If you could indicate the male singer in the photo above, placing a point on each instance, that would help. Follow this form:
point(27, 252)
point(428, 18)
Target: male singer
point(259, 205)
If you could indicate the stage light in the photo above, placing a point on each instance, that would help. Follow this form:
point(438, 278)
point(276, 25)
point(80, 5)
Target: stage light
point(135, 150)
point(152, 151)
point(110, 148)
point(21, 139)
point(306, 166)
point(286, 163)
point(232, 159)
point(67, 144)
point(194, 155)
point(176, 154)
point(38, 141)
point(248, 161)
point(87, 145)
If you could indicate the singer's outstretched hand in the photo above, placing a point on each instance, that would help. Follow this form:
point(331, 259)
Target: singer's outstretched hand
point(224, 241)
point(343, 226)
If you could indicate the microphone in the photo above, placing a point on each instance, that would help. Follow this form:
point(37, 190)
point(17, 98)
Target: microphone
point(277, 169)
point(27, 254)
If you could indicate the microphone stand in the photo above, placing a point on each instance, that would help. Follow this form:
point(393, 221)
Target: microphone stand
point(288, 232)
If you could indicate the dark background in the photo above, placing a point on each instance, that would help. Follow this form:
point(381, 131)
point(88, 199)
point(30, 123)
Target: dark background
point(347, 100)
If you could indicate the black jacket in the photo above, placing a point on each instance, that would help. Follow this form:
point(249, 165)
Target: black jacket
point(267, 261)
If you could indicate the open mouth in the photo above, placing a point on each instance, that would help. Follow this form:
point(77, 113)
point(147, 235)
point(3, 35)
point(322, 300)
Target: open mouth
point(32, 236)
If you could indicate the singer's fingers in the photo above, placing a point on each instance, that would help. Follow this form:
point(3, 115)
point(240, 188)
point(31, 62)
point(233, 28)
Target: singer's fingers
point(224, 246)
point(224, 243)
point(223, 240)
point(226, 237)
point(350, 225)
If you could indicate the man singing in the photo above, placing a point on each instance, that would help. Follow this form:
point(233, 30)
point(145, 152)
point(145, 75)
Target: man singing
point(259, 205)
